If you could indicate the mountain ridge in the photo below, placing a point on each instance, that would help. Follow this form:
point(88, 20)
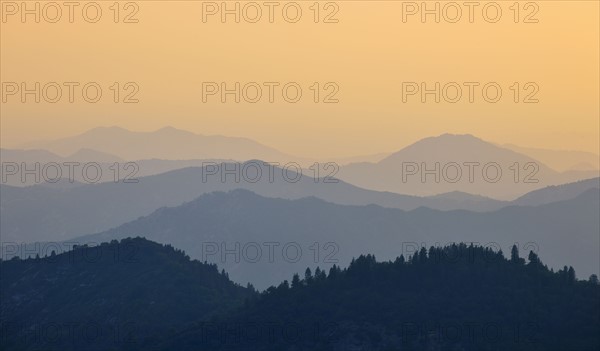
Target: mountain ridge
point(232, 218)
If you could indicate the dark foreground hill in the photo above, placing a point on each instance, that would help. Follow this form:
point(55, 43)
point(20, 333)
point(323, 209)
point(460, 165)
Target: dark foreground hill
point(113, 296)
point(452, 298)
point(139, 295)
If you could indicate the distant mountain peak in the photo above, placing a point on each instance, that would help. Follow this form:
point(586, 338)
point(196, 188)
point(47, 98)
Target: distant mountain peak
point(454, 138)
point(452, 135)
point(449, 144)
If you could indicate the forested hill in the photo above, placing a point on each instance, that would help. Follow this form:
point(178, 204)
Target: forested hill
point(114, 296)
point(454, 298)
point(140, 295)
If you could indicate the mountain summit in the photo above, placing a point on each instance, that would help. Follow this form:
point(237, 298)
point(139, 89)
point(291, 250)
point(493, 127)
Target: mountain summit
point(451, 162)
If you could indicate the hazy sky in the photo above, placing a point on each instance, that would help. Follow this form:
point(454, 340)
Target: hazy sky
point(368, 54)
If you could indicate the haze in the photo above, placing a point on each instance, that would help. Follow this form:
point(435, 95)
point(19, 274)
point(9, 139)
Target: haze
point(368, 54)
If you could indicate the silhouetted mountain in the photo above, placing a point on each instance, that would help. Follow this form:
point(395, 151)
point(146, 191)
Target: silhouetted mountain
point(242, 232)
point(139, 295)
point(111, 167)
point(63, 210)
point(457, 163)
point(166, 143)
point(560, 160)
point(112, 296)
point(453, 298)
point(557, 193)
point(40, 213)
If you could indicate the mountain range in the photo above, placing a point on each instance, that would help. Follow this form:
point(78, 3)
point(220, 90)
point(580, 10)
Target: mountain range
point(166, 143)
point(56, 213)
point(431, 166)
point(134, 145)
point(321, 233)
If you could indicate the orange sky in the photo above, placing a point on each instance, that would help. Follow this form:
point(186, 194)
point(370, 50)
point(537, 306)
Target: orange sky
point(368, 54)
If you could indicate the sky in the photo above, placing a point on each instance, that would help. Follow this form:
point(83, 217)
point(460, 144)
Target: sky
point(365, 58)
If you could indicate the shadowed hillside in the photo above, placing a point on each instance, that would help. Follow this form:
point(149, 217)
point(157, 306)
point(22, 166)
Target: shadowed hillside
point(140, 295)
point(453, 298)
point(112, 296)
